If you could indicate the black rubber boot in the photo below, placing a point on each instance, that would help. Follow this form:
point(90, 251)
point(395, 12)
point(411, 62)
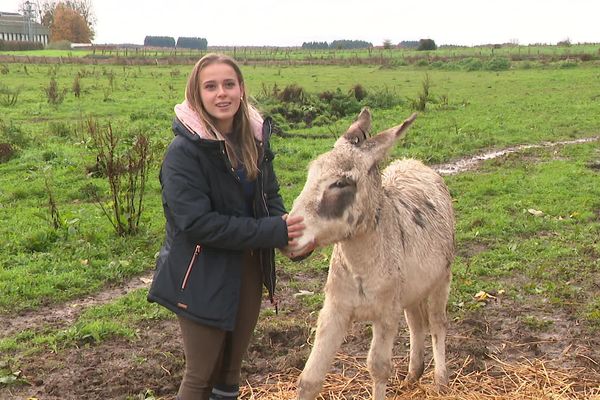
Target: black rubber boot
point(225, 392)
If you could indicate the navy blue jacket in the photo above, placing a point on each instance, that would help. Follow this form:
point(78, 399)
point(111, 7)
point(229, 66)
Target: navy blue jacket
point(198, 270)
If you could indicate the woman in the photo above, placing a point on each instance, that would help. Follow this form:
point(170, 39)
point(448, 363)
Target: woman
point(224, 217)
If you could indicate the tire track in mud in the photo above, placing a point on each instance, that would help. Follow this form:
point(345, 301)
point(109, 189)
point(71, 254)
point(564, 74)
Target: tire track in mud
point(62, 315)
point(471, 163)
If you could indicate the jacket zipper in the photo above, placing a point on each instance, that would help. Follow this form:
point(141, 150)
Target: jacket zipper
point(264, 201)
point(197, 251)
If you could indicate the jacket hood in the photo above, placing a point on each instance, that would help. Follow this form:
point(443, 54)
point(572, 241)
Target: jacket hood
point(190, 122)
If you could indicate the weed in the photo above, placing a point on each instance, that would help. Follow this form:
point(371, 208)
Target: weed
point(54, 219)
point(14, 134)
point(6, 152)
point(60, 129)
point(126, 173)
point(292, 94)
point(77, 86)
point(420, 104)
point(9, 96)
point(54, 95)
point(359, 92)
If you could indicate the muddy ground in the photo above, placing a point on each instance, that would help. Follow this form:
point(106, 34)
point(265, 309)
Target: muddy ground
point(153, 362)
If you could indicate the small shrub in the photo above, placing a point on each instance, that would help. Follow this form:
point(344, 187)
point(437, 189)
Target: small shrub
point(127, 170)
point(60, 128)
point(77, 86)
point(13, 134)
point(19, 45)
point(497, 64)
point(54, 95)
point(342, 105)
point(6, 152)
point(420, 104)
point(359, 92)
point(382, 98)
point(321, 120)
point(55, 221)
point(326, 96)
point(471, 64)
point(9, 96)
point(292, 94)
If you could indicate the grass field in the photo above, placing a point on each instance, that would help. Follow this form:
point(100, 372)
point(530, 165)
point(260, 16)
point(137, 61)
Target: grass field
point(528, 223)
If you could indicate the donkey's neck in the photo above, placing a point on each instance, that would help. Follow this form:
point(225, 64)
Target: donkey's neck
point(363, 250)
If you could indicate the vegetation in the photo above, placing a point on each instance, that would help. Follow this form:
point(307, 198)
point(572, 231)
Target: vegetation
point(159, 41)
point(192, 43)
point(70, 20)
point(426, 44)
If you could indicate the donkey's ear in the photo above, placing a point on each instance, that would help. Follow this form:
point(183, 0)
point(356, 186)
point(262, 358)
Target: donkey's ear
point(358, 132)
point(379, 144)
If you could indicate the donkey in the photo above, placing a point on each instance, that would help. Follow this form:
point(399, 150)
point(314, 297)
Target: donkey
point(394, 245)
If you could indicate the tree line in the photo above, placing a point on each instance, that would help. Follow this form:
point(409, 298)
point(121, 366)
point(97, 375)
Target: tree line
point(423, 44)
point(338, 45)
point(196, 43)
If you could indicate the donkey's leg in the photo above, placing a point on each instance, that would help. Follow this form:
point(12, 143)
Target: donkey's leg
point(331, 329)
point(417, 325)
point(379, 361)
point(438, 300)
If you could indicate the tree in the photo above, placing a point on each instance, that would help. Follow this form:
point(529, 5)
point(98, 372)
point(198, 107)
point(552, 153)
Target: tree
point(192, 43)
point(387, 44)
point(159, 41)
point(81, 7)
point(69, 25)
point(427, 44)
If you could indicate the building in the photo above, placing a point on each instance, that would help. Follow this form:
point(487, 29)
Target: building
point(16, 27)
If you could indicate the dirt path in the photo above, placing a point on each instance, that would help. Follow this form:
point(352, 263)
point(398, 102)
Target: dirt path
point(153, 362)
point(62, 315)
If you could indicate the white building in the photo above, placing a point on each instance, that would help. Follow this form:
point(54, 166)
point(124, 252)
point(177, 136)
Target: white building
point(16, 27)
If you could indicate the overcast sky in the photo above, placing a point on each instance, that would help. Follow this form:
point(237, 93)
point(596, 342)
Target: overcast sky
point(292, 22)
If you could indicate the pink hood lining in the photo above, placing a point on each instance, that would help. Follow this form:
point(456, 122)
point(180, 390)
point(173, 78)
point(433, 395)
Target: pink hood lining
point(190, 119)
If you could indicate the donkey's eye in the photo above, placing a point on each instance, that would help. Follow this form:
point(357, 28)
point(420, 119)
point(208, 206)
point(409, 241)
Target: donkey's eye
point(341, 183)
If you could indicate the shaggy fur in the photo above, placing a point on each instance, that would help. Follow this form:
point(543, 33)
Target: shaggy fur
point(394, 244)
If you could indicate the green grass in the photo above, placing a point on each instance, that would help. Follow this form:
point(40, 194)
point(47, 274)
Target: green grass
point(553, 257)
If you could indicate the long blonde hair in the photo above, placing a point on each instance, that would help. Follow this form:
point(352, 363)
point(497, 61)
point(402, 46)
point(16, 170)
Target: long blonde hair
point(248, 153)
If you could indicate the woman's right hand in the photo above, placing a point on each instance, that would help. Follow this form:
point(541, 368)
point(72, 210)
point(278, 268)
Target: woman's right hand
point(294, 228)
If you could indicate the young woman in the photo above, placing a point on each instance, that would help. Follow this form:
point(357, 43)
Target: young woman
point(224, 218)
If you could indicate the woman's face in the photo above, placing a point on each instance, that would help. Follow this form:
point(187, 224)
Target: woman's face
point(221, 94)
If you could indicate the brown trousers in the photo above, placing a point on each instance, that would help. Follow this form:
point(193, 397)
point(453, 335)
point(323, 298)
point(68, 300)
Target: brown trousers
point(214, 356)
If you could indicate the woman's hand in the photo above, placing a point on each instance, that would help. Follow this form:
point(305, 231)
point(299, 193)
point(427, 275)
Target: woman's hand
point(295, 230)
point(294, 227)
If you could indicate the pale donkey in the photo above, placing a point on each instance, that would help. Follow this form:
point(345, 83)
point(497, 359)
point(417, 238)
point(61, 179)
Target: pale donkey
point(394, 245)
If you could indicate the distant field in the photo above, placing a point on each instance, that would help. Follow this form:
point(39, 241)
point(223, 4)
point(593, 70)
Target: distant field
point(545, 53)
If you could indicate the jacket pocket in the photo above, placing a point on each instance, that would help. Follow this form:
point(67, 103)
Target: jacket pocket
point(186, 277)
